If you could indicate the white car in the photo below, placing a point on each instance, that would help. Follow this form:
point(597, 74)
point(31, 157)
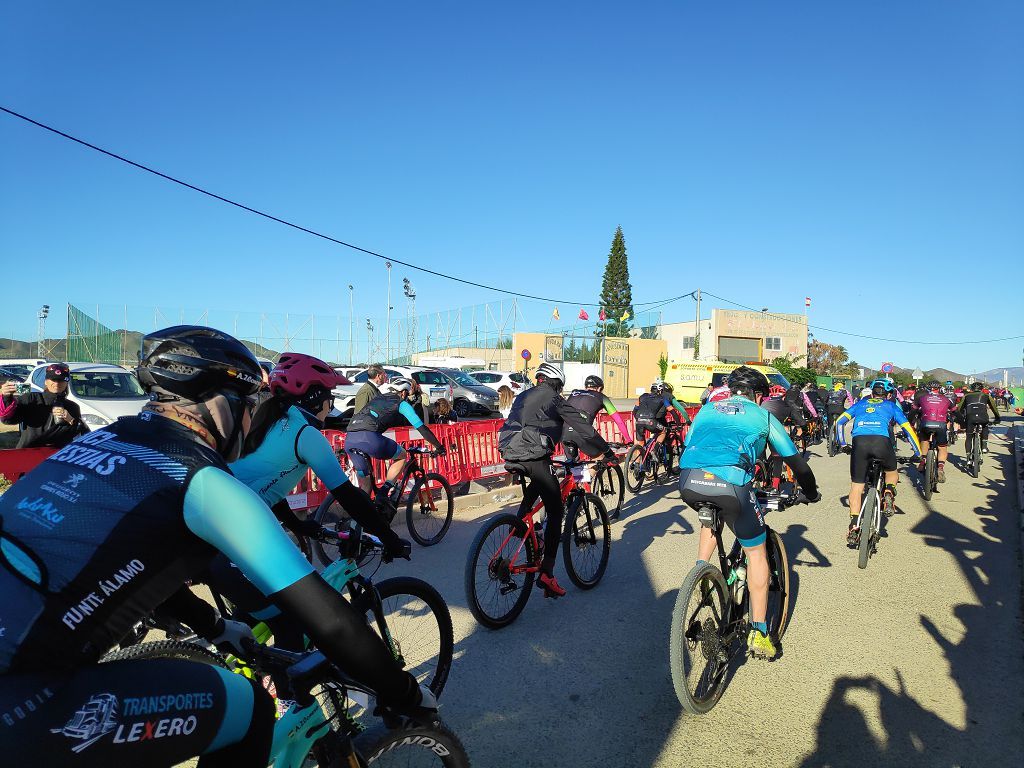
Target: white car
point(514, 380)
point(103, 392)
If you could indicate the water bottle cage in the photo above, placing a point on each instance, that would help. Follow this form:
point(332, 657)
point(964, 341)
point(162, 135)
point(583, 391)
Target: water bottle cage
point(708, 517)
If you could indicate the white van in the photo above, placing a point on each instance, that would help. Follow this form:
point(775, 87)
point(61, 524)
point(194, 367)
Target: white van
point(104, 392)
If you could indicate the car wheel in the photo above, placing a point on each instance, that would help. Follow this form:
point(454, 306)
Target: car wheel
point(462, 408)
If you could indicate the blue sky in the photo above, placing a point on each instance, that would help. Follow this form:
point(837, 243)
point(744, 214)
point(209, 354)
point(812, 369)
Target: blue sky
point(869, 155)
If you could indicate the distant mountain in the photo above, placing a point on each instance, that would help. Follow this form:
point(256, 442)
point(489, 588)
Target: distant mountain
point(1016, 374)
point(940, 374)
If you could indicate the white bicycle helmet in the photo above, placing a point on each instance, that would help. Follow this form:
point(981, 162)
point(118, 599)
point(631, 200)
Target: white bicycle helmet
point(400, 384)
point(551, 372)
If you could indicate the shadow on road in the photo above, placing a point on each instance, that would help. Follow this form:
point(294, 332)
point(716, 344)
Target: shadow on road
point(981, 648)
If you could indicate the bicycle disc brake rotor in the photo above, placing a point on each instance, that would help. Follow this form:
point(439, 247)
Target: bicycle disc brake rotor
point(500, 569)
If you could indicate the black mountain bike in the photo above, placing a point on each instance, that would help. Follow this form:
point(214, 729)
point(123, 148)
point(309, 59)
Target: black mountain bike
point(972, 442)
point(711, 617)
point(428, 506)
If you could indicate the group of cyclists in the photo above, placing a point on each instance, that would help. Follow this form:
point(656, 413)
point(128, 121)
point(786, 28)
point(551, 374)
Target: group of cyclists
point(116, 525)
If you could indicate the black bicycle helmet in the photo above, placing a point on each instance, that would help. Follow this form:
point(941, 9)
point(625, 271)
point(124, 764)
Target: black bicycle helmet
point(746, 379)
point(194, 362)
point(593, 382)
point(977, 386)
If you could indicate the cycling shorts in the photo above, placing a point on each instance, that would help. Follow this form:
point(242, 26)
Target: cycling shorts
point(654, 427)
point(372, 444)
point(738, 503)
point(928, 429)
point(144, 712)
point(797, 416)
point(867, 447)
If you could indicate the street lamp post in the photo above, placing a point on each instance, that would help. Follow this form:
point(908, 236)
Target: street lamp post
point(387, 354)
point(369, 341)
point(350, 325)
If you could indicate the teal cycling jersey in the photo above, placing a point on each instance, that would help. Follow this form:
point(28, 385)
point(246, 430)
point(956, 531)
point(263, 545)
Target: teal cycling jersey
point(290, 447)
point(729, 436)
point(872, 416)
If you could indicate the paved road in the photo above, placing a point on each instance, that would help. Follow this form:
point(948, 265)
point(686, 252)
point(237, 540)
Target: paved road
point(915, 661)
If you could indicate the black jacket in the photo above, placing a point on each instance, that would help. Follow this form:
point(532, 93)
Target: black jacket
point(34, 413)
point(534, 426)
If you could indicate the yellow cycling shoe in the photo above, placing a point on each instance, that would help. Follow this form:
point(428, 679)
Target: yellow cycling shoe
point(761, 646)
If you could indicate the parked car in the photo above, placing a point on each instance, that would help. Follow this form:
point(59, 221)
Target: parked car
point(470, 396)
point(22, 366)
point(8, 374)
point(434, 384)
point(514, 380)
point(103, 392)
point(348, 371)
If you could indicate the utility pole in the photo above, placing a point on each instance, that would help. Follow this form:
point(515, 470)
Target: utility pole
point(44, 312)
point(696, 334)
point(387, 354)
point(350, 325)
point(369, 342)
point(410, 311)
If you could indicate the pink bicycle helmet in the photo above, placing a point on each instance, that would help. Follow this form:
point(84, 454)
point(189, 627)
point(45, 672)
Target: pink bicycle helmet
point(295, 374)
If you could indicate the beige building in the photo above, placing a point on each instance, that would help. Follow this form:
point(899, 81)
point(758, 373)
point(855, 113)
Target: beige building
point(737, 336)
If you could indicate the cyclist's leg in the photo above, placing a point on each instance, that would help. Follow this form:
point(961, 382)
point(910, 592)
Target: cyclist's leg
point(858, 468)
point(155, 712)
point(364, 471)
point(984, 437)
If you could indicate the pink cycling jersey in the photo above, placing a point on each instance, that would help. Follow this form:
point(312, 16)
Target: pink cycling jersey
point(934, 408)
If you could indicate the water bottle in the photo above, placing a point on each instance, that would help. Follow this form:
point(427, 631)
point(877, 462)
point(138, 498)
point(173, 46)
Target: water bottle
point(741, 584)
point(587, 475)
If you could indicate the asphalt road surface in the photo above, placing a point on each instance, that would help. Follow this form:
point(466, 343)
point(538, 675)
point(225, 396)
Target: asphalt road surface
point(916, 660)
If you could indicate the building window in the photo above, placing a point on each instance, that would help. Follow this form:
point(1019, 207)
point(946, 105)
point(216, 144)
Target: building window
point(687, 342)
point(773, 344)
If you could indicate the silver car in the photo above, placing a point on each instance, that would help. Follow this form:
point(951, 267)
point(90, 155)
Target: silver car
point(469, 395)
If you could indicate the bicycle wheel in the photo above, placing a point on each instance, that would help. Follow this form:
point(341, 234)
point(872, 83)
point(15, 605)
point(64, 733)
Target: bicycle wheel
point(494, 594)
point(428, 512)
point(413, 744)
point(777, 616)
point(674, 449)
point(635, 469)
point(698, 657)
point(976, 455)
point(610, 486)
point(930, 474)
point(167, 649)
point(417, 628)
point(869, 512)
point(586, 540)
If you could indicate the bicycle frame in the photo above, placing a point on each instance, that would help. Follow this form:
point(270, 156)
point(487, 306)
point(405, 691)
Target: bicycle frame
point(873, 479)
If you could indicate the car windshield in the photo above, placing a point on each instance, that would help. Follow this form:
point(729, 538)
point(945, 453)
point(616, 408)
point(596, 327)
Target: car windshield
point(430, 377)
point(110, 385)
point(19, 370)
point(462, 378)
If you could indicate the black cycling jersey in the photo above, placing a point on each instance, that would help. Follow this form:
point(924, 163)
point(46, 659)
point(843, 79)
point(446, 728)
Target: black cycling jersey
point(587, 401)
point(379, 415)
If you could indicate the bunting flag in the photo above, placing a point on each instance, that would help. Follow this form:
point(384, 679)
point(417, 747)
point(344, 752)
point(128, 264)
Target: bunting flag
point(583, 314)
point(602, 316)
point(625, 316)
point(554, 315)
point(807, 301)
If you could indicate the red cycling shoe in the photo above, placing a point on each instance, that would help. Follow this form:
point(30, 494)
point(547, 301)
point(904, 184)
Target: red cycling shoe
point(550, 585)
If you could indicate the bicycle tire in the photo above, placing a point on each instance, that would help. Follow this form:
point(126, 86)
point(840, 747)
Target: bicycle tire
point(930, 473)
point(692, 640)
point(332, 516)
point(867, 525)
point(412, 634)
point(674, 451)
point(380, 746)
point(492, 578)
point(609, 483)
point(167, 649)
point(634, 471)
point(779, 594)
point(428, 523)
point(586, 533)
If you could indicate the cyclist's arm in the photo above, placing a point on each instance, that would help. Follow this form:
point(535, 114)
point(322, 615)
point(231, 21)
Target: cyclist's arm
point(572, 417)
point(783, 446)
point(225, 513)
point(809, 405)
point(672, 402)
point(610, 408)
point(417, 423)
point(908, 430)
point(313, 449)
point(841, 422)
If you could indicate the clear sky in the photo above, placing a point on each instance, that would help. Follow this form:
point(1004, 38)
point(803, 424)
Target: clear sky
point(869, 155)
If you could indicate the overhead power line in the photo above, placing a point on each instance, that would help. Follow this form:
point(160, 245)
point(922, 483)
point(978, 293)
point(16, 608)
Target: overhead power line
point(862, 335)
point(309, 231)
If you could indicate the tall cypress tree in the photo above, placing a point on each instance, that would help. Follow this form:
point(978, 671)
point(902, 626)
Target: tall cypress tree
point(616, 292)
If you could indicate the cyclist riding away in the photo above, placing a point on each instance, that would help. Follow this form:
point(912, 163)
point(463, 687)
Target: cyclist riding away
point(872, 417)
point(365, 435)
point(113, 525)
point(723, 445)
point(973, 409)
point(589, 401)
point(932, 412)
point(528, 437)
point(649, 415)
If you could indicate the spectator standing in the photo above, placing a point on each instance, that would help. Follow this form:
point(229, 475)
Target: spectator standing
point(505, 400)
point(46, 418)
point(442, 412)
point(375, 378)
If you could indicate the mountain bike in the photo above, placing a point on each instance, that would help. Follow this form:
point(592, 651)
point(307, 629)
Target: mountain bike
point(873, 506)
point(428, 506)
point(506, 553)
point(643, 461)
point(317, 723)
point(711, 616)
point(833, 434)
point(972, 441)
point(930, 478)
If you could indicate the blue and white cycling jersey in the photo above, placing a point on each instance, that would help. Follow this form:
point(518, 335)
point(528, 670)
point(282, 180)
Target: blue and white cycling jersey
point(728, 437)
point(290, 447)
point(872, 416)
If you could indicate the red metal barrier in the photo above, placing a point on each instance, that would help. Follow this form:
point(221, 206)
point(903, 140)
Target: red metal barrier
point(15, 462)
point(479, 448)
